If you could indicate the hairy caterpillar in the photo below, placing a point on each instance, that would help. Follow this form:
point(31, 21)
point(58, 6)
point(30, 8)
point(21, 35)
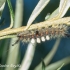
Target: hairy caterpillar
point(43, 33)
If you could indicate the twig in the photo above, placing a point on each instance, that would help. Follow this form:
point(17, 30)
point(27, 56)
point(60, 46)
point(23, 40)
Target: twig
point(8, 36)
point(65, 20)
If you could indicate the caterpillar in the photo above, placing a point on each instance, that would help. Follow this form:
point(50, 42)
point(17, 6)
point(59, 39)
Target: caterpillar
point(43, 33)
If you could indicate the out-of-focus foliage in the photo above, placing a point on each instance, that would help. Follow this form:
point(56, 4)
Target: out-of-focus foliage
point(14, 55)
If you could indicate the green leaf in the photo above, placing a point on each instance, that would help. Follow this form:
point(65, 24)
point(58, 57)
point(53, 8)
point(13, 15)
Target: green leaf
point(43, 65)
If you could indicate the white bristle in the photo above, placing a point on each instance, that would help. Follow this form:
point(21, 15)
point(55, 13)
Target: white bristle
point(32, 40)
point(47, 37)
point(38, 40)
point(43, 38)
